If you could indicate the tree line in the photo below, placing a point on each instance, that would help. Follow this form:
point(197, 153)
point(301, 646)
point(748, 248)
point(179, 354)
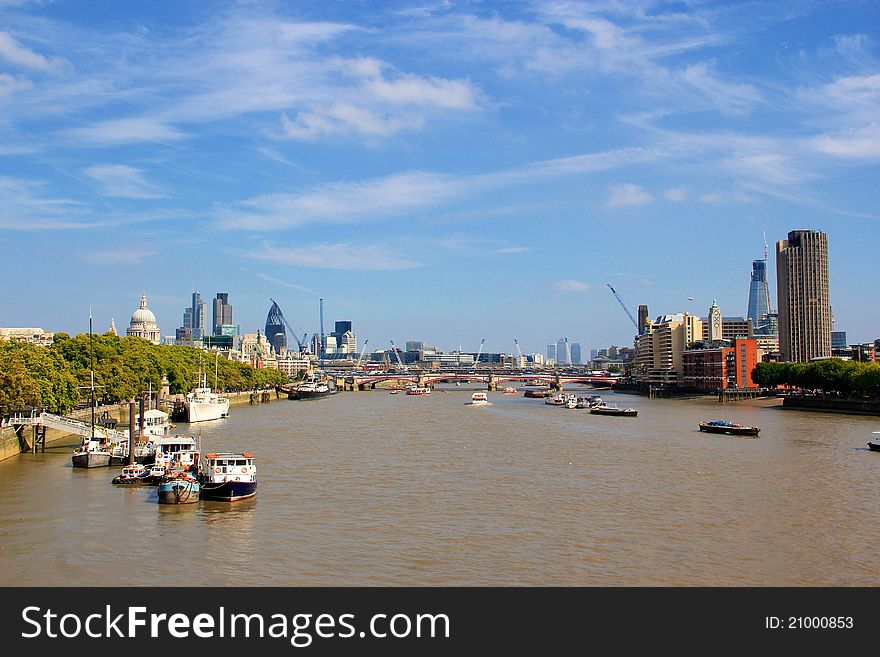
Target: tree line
point(846, 377)
point(57, 377)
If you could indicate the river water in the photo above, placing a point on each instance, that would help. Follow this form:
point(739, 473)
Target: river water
point(368, 488)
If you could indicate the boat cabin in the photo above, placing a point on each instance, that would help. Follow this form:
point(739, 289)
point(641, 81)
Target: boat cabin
point(230, 466)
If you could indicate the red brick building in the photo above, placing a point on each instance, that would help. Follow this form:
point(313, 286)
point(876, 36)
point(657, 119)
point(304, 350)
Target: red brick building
point(721, 367)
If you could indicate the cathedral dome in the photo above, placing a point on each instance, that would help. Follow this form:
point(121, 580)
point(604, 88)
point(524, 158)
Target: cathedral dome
point(143, 323)
point(143, 315)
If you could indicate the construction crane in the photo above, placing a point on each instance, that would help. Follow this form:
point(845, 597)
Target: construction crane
point(301, 343)
point(477, 360)
point(519, 351)
point(397, 353)
point(625, 309)
point(361, 357)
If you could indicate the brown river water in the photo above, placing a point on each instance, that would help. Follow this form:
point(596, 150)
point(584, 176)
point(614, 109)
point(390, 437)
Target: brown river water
point(368, 488)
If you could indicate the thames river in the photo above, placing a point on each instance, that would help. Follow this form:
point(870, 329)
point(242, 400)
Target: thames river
point(368, 488)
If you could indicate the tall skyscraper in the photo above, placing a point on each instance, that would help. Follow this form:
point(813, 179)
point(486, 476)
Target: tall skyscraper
point(563, 352)
point(575, 353)
point(199, 316)
point(275, 330)
point(222, 315)
point(551, 351)
point(759, 298)
point(802, 291)
point(188, 319)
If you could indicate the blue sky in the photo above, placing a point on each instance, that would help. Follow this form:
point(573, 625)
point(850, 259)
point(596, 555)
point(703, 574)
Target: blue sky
point(443, 171)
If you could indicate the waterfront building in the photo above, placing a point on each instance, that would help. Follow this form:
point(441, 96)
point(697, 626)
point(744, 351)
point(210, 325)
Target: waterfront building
point(143, 323)
point(712, 368)
point(759, 298)
point(575, 353)
point(659, 351)
point(838, 340)
point(292, 365)
point(713, 323)
point(222, 312)
point(802, 291)
point(537, 359)
point(731, 328)
point(276, 335)
point(450, 360)
point(563, 352)
point(256, 348)
point(36, 336)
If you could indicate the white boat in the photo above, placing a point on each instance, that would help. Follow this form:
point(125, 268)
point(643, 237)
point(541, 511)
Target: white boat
point(204, 404)
point(874, 443)
point(555, 400)
point(156, 423)
point(509, 391)
point(176, 453)
point(415, 390)
point(479, 399)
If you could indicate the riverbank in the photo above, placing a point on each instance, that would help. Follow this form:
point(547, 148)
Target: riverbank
point(832, 405)
point(13, 443)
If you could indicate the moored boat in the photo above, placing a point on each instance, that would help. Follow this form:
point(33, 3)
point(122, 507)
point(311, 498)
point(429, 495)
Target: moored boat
point(203, 404)
point(537, 394)
point(729, 428)
point(229, 476)
point(92, 453)
point(180, 488)
point(178, 452)
point(416, 390)
point(612, 409)
point(132, 475)
point(555, 400)
point(314, 389)
point(874, 443)
point(509, 391)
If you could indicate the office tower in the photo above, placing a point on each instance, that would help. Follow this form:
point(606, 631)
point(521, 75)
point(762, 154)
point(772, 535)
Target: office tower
point(222, 315)
point(643, 318)
point(759, 298)
point(838, 340)
point(341, 327)
point(802, 291)
point(276, 334)
point(415, 345)
point(188, 319)
point(563, 352)
point(199, 316)
point(551, 351)
point(575, 353)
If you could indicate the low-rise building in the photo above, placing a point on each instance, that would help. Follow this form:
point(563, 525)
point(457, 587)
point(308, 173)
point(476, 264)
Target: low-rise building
point(712, 367)
point(35, 336)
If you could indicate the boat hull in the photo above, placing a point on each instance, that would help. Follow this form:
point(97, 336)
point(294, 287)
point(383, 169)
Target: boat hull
point(204, 412)
point(304, 395)
point(730, 431)
point(91, 459)
point(616, 412)
point(178, 492)
point(874, 447)
point(229, 491)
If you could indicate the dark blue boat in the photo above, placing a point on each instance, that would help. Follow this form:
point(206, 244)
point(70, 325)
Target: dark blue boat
point(229, 477)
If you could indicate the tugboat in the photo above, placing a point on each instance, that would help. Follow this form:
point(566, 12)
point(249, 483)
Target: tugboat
point(874, 443)
point(179, 488)
point(729, 428)
point(229, 476)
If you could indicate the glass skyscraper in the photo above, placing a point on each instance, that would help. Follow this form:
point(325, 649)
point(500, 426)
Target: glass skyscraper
point(759, 298)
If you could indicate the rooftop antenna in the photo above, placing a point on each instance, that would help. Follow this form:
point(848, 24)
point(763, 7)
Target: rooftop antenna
point(322, 334)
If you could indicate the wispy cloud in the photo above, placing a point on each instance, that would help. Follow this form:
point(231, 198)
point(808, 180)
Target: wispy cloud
point(677, 194)
point(571, 285)
point(278, 281)
point(124, 254)
point(628, 194)
point(515, 249)
point(123, 181)
point(15, 53)
point(355, 257)
point(125, 131)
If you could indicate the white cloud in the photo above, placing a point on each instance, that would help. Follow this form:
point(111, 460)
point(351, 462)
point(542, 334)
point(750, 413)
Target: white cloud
point(357, 257)
point(858, 143)
point(712, 197)
point(571, 285)
point(125, 131)
point(677, 194)
point(278, 281)
point(14, 52)
point(729, 97)
point(514, 249)
point(119, 180)
point(124, 254)
point(628, 194)
point(10, 84)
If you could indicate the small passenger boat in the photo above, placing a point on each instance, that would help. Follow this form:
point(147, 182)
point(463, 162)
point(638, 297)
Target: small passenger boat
point(874, 443)
point(479, 399)
point(229, 476)
point(509, 391)
point(555, 400)
point(729, 428)
point(132, 475)
point(415, 390)
point(537, 394)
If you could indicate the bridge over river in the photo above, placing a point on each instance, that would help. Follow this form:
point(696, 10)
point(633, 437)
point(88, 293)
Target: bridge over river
point(492, 380)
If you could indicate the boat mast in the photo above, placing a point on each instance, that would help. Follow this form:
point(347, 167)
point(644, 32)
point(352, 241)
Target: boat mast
point(92, 375)
point(216, 356)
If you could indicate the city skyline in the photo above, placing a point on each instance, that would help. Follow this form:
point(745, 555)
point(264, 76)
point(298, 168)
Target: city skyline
point(419, 166)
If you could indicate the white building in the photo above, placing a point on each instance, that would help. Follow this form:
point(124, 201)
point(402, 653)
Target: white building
point(143, 323)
